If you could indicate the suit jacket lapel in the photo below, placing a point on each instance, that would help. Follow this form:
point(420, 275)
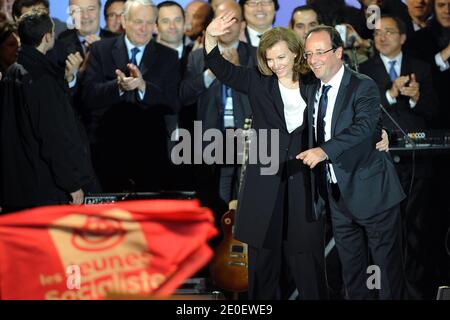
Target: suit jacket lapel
point(120, 54)
point(148, 58)
point(339, 105)
point(276, 95)
point(381, 74)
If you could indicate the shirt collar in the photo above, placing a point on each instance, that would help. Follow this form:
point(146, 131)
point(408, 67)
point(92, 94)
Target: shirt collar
point(131, 46)
point(180, 49)
point(397, 58)
point(254, 35)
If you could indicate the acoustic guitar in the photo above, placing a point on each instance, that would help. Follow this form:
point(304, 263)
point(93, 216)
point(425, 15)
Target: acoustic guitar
point(229, 267)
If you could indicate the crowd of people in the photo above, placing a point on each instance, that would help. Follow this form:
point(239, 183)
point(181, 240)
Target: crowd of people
point(87, 109)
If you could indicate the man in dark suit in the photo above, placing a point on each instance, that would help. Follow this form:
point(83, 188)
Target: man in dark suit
point(44, 158)
point(72, 45)
point(357, 183)
point(170, 23)
point(130, 83)
point(406, 90)
point(259, 17)
point(201, 86)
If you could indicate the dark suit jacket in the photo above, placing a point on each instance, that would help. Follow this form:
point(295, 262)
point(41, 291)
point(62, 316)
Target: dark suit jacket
point(366, 177)
point(134, 128)
point(185, 117)
point(209, 100)
point(259, 192)
point(44, 153)
point(408, 118)
point(68, 42)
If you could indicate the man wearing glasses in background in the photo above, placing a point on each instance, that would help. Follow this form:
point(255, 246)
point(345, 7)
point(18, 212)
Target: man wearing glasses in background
point(259, 16)
point(113, 13)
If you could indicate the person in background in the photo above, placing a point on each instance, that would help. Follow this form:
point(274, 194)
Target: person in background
point(72, 45)
point(303, 19)
point(43, 156)
point(112, 12)
point(23, 6)
point(170, 26)
point(198, 14)
point(130, 83)
point(9, 44)
point(6, 8)
point(406, 90)
point(219, 107)
point(259, 16)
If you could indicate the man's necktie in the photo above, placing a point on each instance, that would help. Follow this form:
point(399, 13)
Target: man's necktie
point(323, 103)
point(392, 73)
point(134, 53)
point(321, 172)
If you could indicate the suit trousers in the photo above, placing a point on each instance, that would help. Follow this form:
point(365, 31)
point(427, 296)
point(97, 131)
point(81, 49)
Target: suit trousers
point(274, 271)
point(378, 240)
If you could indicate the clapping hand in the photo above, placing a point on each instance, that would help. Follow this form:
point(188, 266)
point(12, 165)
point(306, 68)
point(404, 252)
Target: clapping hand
point(133, 82)
point(73, 64)
point(412, 89)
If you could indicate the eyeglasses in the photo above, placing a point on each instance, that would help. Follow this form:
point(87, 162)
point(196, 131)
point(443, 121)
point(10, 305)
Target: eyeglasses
point(309, 55)
point(264, 3)
point(387, 33)
point(113, 15)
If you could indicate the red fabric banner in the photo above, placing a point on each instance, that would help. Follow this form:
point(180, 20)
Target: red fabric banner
point(85, 252)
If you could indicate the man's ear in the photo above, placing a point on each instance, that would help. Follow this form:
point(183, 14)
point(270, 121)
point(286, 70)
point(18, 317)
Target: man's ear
point(339, 52)
point(243, 25)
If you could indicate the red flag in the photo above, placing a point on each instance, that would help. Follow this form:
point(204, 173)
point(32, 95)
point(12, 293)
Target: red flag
point(85, 252)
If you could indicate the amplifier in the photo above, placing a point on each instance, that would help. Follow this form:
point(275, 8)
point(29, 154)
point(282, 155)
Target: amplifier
point(103, 198)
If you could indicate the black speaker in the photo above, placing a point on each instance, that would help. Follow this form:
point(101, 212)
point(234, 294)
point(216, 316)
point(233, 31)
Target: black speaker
point(443, 293)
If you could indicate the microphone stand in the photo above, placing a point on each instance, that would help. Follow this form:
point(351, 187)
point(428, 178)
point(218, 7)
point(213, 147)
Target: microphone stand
point(410, 141)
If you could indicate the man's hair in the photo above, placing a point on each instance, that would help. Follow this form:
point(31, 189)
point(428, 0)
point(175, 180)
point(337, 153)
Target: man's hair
point(171, 4)
point(274, 36)
point(335, 38)
point(129, 3)
point(20, 4)
point(33, 26)
point(301, 9)
point(275, 2)
point(401, 26)
point(108, 4)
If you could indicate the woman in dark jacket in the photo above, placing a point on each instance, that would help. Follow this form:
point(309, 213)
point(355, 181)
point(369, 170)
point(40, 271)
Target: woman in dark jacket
point(274, 215)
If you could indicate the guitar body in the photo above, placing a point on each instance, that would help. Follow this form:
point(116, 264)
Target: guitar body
point(229, 265)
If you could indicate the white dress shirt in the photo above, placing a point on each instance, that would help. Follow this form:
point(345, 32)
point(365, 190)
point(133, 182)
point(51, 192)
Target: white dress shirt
point(294, 106)
point(335, 83)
